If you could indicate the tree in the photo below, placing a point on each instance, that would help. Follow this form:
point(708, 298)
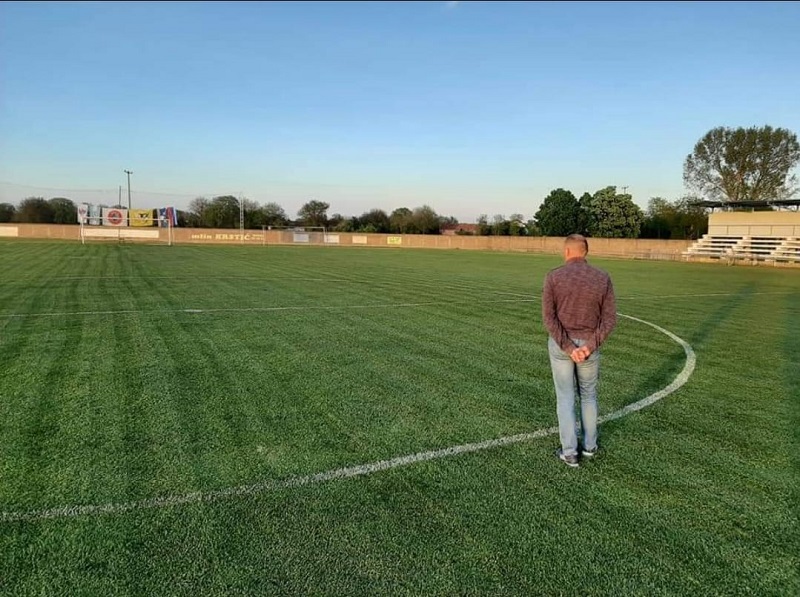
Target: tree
point(426, 220)
point(516, 225)
point(343, 224)
point(335, 220)
point(7, 212)
point(253, 216)
point(693, 220)
point(401, 221)
point(752, 164)
point(558, 214)
point(376, 220)
point(34, 210)
point(222, 212)
point(273, 214)
point(484, 229)
point(64, 211)
point(314, 213)
point(612, 215)
point(677, 220)
point(449, 221)
point(658, 219)
point(196, 216)
point(499, 225)
point(584, 207)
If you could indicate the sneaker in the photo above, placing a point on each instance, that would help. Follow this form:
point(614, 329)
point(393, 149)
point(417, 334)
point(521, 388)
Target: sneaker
point(571, 460)
point(589, 453)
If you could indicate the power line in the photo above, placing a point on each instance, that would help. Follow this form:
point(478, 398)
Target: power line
point(141, 191)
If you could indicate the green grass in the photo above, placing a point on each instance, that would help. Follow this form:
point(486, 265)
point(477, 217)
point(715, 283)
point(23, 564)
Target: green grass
point(305, 360)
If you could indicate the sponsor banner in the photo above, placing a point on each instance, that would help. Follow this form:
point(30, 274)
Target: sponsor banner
point(394, 240)
point(359, 240)
point(141, 217)
point(167, 215)
point(332, 239)
point(83, 213)
point(222, 236)
point(300, 237)
point(9, 231)
point(115, 217)
point(95, 213)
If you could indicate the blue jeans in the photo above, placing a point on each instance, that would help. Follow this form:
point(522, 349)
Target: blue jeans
point(570, 377)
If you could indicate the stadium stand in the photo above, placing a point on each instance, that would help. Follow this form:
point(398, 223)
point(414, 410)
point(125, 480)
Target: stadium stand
point(769, 237)
point(733, 248)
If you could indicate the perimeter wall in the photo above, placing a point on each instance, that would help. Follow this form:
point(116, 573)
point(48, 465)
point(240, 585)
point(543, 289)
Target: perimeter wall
point(611, 247)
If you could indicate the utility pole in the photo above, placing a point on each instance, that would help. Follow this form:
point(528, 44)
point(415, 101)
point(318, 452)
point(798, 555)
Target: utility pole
point(129, 172)
point(241, 218)
point(119, 197)
point(625, 190)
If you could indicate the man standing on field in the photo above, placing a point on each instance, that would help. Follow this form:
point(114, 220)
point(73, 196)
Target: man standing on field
point(579, 313)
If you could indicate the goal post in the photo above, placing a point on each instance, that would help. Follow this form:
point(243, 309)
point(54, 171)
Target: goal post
point(142, 229)
point(296, 235)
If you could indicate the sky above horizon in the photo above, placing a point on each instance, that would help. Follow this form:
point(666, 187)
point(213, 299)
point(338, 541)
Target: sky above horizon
point(470, 107)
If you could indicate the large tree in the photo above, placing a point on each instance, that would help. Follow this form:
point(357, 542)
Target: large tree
point(613, 215)
point(426, 220)
point(64, 211)
point(222, 212)
point(401, 221)
point(658, 219)
point(499, 225)
point(273, 215)
point(752, 164)
point(584, 204)
point(35, 210)
point(7, 212)
point(516, 225)
point(558, 214)
point(197, 216)
point(375, 220)
point(253, 215)
point(314, 213)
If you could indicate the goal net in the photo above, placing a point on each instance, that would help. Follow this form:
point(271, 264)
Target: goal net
point(296, 235)
point(122, 225)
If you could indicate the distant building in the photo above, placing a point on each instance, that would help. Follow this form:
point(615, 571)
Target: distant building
point(453, 229)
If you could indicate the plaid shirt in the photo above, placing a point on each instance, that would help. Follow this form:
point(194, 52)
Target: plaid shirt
point(578, 304)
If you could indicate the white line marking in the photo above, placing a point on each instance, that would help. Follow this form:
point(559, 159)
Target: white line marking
point(710, 294)
point(516, 294)
point(266, 278)
point(639, 297)
point(531, 298)
point(360, 470)
point(269, 309)
point(192, 310)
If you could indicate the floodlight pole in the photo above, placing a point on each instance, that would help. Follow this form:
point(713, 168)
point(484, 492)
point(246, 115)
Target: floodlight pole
point(129, 172)
point(241, 219)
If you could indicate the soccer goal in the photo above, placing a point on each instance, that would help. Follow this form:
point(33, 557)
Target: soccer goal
point(296, 235)
point(141, 229)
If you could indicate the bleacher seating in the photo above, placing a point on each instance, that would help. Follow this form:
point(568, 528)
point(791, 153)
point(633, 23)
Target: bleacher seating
point(752, 249)
point(789, 250)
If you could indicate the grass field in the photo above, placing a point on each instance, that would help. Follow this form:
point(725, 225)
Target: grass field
point(156, 404)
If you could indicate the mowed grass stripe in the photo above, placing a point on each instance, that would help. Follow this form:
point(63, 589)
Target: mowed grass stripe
point(337, 416)
point(690, 497)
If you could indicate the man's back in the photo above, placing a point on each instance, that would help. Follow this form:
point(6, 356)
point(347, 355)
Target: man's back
point(578, 301)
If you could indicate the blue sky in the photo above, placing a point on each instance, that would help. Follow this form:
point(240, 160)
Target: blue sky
point(470, 107)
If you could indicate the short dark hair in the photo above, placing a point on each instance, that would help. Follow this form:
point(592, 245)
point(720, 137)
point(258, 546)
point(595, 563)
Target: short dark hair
point(578, 240)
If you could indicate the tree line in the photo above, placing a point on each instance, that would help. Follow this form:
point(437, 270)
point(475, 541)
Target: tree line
point(730, 166)
point(609, 214)
point(224, 212)
point(606, 213)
